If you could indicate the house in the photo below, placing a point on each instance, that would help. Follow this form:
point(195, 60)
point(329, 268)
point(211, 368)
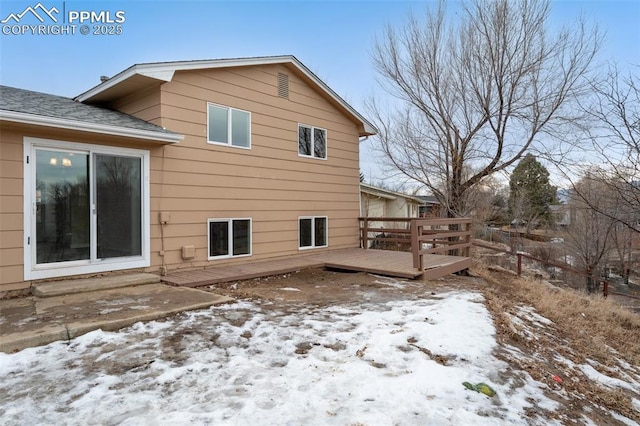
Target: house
point(430, 207)
point(176, 165)
point(380, 202)
point(561, 214)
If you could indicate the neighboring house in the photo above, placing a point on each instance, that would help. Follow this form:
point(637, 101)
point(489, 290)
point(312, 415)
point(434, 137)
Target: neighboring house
point(561, 214)
point(176, 165)
point(430, 206)
point(380, 202)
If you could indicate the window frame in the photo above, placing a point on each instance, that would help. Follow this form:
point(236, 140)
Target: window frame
point(326, 142)
point(229, 111)
point(313, 232)
point(229, 222)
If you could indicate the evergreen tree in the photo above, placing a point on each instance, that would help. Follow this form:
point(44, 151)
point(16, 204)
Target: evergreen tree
point(530, 192)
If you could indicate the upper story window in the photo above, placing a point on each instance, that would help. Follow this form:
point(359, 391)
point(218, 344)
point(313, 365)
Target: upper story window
point(228, 126)
point(312, 142)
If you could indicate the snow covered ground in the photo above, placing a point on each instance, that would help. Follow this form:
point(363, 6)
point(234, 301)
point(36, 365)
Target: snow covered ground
point(256, 363)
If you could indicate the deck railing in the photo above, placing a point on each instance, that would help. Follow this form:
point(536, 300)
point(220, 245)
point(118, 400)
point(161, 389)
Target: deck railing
point(420, 236)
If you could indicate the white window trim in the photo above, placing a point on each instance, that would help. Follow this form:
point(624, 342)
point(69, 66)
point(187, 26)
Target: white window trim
point(229, 221)
point(313, 232)
point(77, 267)
point(326, 141)
point(229, 126)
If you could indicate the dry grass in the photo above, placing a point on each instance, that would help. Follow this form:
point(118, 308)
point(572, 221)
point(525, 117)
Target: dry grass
point(584, 328)
point(591, 320)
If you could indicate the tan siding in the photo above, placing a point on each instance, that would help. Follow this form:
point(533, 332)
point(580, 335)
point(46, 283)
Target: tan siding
point(193, 99)
point(11, 219)
point(269, 183)
point(11, 239)
point(10, 168)
point(11, 278)
point(227, 165)
point(144, 105)
point(10, 204)
point(11, 222)
point(10, 186)
point(11, 256)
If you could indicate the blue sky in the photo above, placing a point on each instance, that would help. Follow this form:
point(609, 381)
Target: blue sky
point(333, 38)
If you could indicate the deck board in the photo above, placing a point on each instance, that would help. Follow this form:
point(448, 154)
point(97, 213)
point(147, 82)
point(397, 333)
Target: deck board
point(382, 262)
point(228, 273)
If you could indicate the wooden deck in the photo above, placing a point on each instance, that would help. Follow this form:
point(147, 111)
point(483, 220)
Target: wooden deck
point(244, 271)
point(382, 262)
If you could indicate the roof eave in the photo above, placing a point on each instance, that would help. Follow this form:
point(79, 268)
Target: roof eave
point(62, 123)
point(164, 71)
point(391, 195)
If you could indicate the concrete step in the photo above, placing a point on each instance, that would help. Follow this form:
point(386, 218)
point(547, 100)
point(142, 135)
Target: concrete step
point(84, 285)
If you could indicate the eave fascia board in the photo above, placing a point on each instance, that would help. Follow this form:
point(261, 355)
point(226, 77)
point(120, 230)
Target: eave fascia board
point(377, 193)
point(62, 123)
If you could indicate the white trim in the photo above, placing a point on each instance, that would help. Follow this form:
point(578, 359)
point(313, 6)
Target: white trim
point(63, 123)
point(229, 126)
point(313, 232)
point(161, 74)
point(229, 221)
point(326, 142)
point(92, 265)
point(163, 70)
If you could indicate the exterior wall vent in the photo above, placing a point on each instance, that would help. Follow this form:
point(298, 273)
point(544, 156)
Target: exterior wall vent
point(283, 85)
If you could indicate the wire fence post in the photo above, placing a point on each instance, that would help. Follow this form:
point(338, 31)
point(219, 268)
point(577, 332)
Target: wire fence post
point(519, 264)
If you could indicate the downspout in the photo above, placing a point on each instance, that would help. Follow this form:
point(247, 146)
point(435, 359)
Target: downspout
point(359, 188)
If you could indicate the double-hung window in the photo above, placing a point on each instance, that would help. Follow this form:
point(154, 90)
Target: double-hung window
point(312, 232)
point(312, 142)
point(229, 238)
point(228, 126)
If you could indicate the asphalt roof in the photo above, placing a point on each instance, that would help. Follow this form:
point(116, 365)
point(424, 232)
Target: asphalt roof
point(43, 104)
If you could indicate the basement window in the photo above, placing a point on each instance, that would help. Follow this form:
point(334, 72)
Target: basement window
point(312, 232)
point(229, 238)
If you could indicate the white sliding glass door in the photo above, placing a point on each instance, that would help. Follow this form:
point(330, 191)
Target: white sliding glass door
point(86, 208)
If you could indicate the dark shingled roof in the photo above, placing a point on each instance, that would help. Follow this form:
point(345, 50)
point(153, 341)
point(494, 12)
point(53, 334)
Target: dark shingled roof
point(43, 104)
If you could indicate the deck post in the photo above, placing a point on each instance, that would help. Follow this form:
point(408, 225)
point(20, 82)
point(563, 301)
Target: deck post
point(467, 240)
point(365, 233)
point(415, 244)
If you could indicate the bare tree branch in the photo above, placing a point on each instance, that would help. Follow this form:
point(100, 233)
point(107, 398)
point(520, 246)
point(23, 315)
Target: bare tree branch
point(476, 94)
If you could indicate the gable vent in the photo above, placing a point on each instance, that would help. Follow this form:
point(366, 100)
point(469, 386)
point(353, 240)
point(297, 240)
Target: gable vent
point(283, 85)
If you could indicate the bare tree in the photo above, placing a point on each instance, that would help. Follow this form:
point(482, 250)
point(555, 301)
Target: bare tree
point(476, 93)
point(589, 235)
point(615, 133)
point(487, 201)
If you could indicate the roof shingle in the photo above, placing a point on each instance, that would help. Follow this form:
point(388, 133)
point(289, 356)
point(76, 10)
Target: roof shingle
point(43, 104)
